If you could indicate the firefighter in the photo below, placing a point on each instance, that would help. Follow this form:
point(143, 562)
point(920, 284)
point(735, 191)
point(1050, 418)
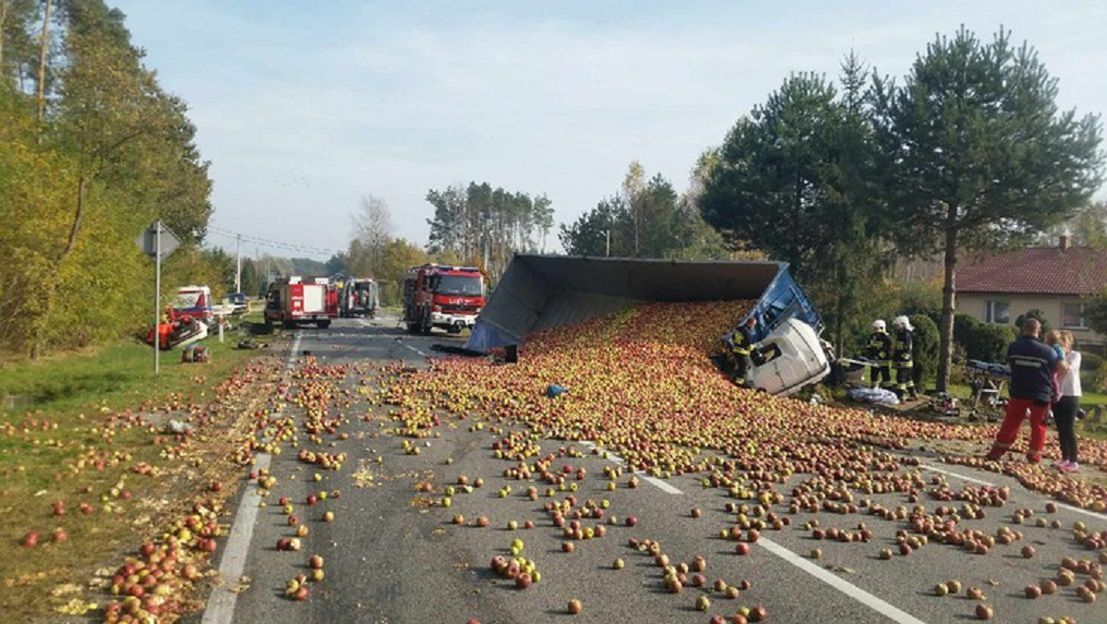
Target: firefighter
point(902, 360)
point(742, 346)
point(879, 350)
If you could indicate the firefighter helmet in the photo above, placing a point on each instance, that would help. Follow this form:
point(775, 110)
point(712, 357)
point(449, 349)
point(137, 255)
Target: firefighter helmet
point(879, 325)
point(903, 322)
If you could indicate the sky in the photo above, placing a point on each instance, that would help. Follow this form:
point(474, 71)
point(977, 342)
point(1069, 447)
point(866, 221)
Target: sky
point(303, 107)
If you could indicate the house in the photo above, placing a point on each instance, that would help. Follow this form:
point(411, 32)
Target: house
point(1056, 280)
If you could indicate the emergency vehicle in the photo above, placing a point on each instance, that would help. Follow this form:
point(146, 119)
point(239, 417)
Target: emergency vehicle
point(360, 297)
point(291, 301)
point(449, 297)
point(194, 301)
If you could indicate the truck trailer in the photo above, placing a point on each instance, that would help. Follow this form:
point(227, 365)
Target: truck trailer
point(542, 291)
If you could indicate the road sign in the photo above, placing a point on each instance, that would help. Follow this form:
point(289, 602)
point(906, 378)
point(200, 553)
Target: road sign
point(149, 244)
point(157, 242)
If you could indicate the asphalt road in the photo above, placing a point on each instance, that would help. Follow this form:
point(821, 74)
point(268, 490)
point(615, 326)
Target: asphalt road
point(389, 558)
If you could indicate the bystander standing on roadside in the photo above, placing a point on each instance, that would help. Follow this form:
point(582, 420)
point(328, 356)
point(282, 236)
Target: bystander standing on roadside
point(1033, 364)
point(1064, 411)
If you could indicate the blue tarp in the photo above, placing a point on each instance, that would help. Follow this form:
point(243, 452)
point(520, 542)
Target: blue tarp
point(537, 292)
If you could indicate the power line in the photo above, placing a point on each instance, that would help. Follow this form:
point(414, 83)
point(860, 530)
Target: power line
point(273, 244)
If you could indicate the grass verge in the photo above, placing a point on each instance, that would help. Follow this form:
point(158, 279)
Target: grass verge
point(71, 433)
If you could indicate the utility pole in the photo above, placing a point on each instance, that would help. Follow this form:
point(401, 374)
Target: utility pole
point(238, 263)
point(607, 233)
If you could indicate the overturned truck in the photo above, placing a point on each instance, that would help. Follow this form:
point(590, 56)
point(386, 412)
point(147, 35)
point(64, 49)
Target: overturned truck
point(539, 292)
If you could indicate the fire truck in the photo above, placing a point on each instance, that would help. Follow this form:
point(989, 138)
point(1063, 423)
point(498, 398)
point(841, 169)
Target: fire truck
point(291, 301)
point(443, 296)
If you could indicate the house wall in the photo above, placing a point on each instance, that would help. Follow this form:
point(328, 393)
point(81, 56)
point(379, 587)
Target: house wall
point(975, 304)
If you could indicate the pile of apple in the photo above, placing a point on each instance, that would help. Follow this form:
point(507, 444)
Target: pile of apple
point(640, 384)
point(153, 582)
point(524, 572)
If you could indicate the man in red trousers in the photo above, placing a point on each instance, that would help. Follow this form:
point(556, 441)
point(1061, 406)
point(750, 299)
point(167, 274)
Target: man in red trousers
point(1032, 365)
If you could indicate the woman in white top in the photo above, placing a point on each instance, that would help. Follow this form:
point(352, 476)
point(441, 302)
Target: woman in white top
point(1064, 411)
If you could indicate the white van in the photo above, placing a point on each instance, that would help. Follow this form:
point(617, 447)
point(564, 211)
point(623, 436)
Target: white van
point(794, 357)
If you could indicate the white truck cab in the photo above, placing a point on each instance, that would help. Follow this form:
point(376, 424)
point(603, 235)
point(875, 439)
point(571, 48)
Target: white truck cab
point(794, 357)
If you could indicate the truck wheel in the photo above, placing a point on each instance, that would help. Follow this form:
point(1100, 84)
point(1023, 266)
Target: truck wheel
point(323, 324)
point(288, 324)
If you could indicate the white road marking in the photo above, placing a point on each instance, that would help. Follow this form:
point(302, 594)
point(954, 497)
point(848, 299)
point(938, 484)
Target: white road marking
point(837, 582)
point(416, 350)
point(957, 475)
point(954, 474)
point(221, 603)
point(661, 484)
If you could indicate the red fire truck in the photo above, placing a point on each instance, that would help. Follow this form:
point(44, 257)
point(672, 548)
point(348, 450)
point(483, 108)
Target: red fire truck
point(294, 300)
point(443, 296)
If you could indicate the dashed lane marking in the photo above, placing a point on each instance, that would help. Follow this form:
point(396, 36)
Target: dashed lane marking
point(835, 581)
point(660, 484)
point(876, 604)
point(957, 475)
point(221, 603)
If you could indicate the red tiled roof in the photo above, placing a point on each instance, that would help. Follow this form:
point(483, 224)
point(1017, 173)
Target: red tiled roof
point(1038, 271)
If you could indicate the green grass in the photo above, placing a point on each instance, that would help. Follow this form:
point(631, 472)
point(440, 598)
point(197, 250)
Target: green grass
point(1089, 401)
point(111, 376)
point(51, 438)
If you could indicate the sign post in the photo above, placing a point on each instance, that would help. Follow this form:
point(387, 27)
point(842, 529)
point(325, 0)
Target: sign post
point(157, 241)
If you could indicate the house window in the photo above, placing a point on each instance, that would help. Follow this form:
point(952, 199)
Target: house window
point(1072, 315)
point(997, 312)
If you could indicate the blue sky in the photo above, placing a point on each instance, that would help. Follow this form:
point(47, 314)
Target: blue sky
point(304, 106)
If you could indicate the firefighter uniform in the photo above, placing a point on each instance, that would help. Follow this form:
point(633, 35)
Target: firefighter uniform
point(879, 349)
point(743, 352)
point(902, 358)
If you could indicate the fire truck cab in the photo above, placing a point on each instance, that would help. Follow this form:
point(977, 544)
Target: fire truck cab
point(449, 297)
point(291, 301)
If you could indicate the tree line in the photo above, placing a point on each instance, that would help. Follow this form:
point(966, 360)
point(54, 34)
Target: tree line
point(646, 218)
point(479, 224)
point(92, 149)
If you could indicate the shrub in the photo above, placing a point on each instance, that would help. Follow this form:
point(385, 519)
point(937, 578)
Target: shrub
point(1037, 314)
point(1089, 361)
point(925, 347)
point(963, 327)
point(988, 342)
point(1098, 378)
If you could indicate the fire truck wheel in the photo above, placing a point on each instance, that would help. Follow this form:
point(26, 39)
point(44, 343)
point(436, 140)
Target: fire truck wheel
point(323, 324)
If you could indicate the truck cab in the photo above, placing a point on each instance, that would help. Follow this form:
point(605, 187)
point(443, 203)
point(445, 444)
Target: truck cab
point(448, 297)
point(790, 357)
